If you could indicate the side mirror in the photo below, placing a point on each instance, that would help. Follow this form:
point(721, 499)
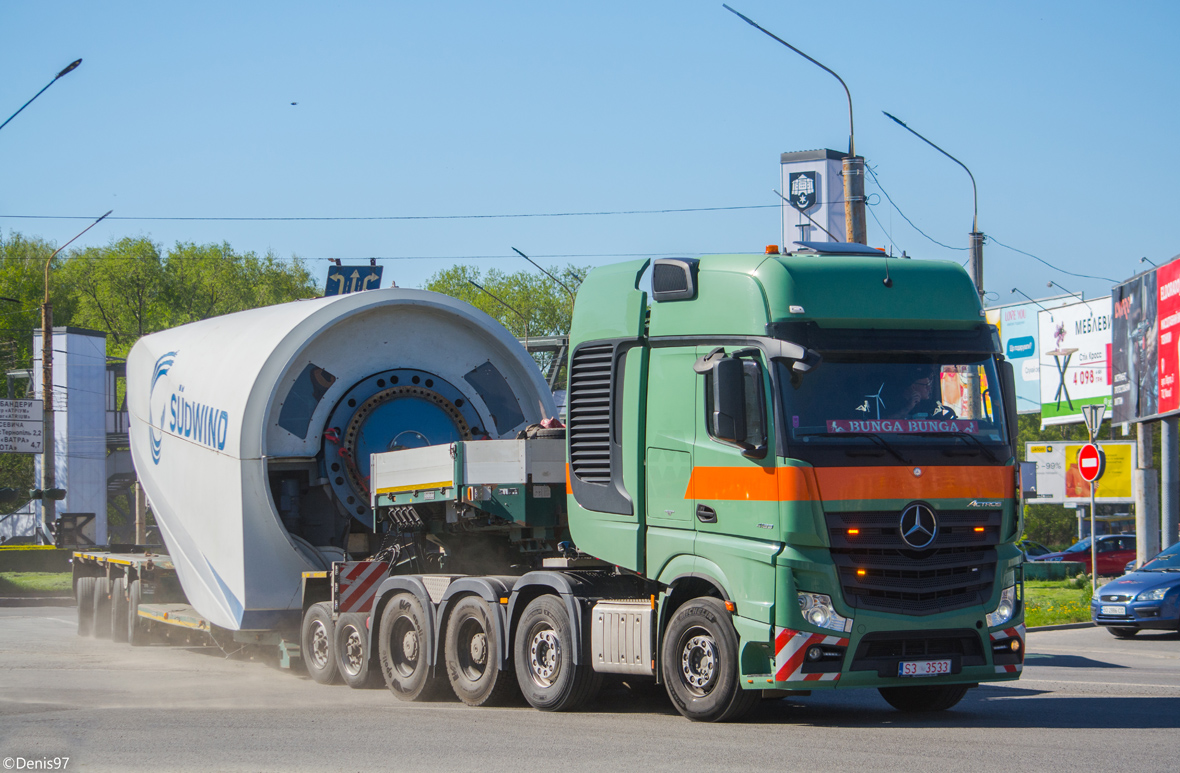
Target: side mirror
point(729, 401)
point(1028, 480)
point(1008, 392)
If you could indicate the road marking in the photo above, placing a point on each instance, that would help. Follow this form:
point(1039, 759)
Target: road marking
point(1108, 684)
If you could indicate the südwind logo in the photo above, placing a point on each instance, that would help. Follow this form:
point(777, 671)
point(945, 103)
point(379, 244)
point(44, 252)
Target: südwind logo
point(180, 416)
point(163, 365)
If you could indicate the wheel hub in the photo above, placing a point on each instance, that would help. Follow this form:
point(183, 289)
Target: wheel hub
point(698, 663)
point(354, 652)
point(479, 649)
point(319, 644)
point(544, 656)
point(410, 645)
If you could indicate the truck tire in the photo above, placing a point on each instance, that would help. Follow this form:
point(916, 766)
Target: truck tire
point(84, 594)
point(926, 698)
point(472, 653)
point(352, 652)
point(401, 650)
point(543, 651)
point(1123, 633)
point(119, 610)
point(102, 608)
point(700, 663)
point(316, 644)
point(137, 633)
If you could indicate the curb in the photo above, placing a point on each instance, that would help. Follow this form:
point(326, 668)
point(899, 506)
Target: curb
point(37, 601)
point(1063, 627)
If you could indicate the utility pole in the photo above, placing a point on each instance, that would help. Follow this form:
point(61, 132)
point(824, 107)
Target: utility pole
point(1147, 499)
point(48, 457)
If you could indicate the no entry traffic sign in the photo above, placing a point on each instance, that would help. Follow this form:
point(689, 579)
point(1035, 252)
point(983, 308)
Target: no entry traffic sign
point(1091, 462)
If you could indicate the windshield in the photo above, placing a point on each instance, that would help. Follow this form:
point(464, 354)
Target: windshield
point(1078, 546)
point(1167, 560)
point(904, 399)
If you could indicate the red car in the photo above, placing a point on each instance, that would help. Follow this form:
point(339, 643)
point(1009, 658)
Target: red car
point(1114, 551)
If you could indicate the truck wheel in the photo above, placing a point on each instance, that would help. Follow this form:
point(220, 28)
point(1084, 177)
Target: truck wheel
point(352, 652)
point(472, 655)
point(700, 663)
point(137, 634)
point(119, 610)
point(316, 645)
point(84, 594)
point(933, 698)
point(102, 608)
point(1123, 633)
point(401, 649)
point(543, 652)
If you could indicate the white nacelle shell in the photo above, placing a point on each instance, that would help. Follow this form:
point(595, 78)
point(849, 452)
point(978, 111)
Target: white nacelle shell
point(210, 493)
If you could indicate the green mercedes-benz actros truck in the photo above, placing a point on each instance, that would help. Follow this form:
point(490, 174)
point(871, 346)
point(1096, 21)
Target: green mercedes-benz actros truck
point(781, 473)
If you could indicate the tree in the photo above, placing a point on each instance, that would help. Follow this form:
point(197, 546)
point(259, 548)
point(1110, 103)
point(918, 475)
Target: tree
point(542, 307)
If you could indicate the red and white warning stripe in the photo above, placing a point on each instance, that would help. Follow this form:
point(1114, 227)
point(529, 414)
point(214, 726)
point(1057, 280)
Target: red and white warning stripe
point(790, 647)
point(1016, 632)
point(356, 582)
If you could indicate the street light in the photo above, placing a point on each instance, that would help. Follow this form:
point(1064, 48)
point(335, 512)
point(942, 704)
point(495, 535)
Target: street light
point(976, 259)
point(854, 165)
point(68, 69)
point(48, 461)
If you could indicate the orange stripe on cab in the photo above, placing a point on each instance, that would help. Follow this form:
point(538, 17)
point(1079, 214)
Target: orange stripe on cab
point(832, 484)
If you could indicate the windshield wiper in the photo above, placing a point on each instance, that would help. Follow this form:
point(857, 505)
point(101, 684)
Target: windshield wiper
point(877, 439)
point(962, 435)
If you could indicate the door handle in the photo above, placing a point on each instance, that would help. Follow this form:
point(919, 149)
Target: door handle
point(706, 514)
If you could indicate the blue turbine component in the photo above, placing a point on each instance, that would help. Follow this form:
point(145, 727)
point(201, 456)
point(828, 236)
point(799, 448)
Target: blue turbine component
point(385, 412)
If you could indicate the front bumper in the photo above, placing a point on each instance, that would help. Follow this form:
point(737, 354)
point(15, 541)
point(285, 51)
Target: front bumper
point(1163, 614)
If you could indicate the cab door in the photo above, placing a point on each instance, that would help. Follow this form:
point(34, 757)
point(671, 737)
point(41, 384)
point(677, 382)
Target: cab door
point(671, 432)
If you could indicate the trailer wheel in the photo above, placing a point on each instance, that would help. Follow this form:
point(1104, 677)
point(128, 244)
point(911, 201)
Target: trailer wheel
point(352, 652)
point(102, 608)
point(137, 634)
point(926, 698)
point(700, 663)
point(543, 651)
point(472, 655)
point(405, 664)
point(84, 594)
point(316, 644)
point(119, 610)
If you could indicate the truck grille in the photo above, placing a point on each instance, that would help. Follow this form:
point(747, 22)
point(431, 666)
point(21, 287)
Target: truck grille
point(881, 652)
point(879, 571)
point(589, 413)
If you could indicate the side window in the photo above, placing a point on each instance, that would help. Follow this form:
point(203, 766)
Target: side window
point(754, 395)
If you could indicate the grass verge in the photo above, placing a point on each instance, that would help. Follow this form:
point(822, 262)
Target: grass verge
point(1055, 602)
point(36, 584)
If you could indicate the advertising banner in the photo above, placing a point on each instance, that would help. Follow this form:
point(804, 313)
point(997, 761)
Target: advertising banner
point(1146, 344)
point(1074, 342)
point(1017, 324)
point(1059, 479)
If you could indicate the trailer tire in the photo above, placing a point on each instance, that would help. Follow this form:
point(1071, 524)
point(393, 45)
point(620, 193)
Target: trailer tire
point(543, 651)
point(102, 608)
point(353, 659)
point(317, 645)
point(405, 664)
point(119, 610)
point(925, 698)
point(472, 654)
point(137, 634)
point(700, 663)
point(84, 594)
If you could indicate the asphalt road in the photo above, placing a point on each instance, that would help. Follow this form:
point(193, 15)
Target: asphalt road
point(1087, 701)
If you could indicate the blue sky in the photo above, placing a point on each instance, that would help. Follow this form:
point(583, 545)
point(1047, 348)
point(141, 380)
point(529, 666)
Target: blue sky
point(1065, 113)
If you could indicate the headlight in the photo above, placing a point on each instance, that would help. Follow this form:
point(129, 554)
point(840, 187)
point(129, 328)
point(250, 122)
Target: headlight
point(817, 609)
point(1155, 594)
point(1005, 610)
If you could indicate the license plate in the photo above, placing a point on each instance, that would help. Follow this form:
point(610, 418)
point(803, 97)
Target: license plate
point(1111, 610)
point(923, 667)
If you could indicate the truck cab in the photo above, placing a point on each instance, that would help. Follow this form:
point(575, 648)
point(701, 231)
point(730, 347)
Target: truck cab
point(823, 442)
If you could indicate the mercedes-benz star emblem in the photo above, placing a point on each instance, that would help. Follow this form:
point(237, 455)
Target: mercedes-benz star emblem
point(919, 527)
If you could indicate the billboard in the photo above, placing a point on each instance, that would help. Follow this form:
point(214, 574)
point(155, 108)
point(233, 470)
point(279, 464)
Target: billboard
point(1017, 324)
point(1059, 480)
point(1146, 337)
point(1074, 344)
